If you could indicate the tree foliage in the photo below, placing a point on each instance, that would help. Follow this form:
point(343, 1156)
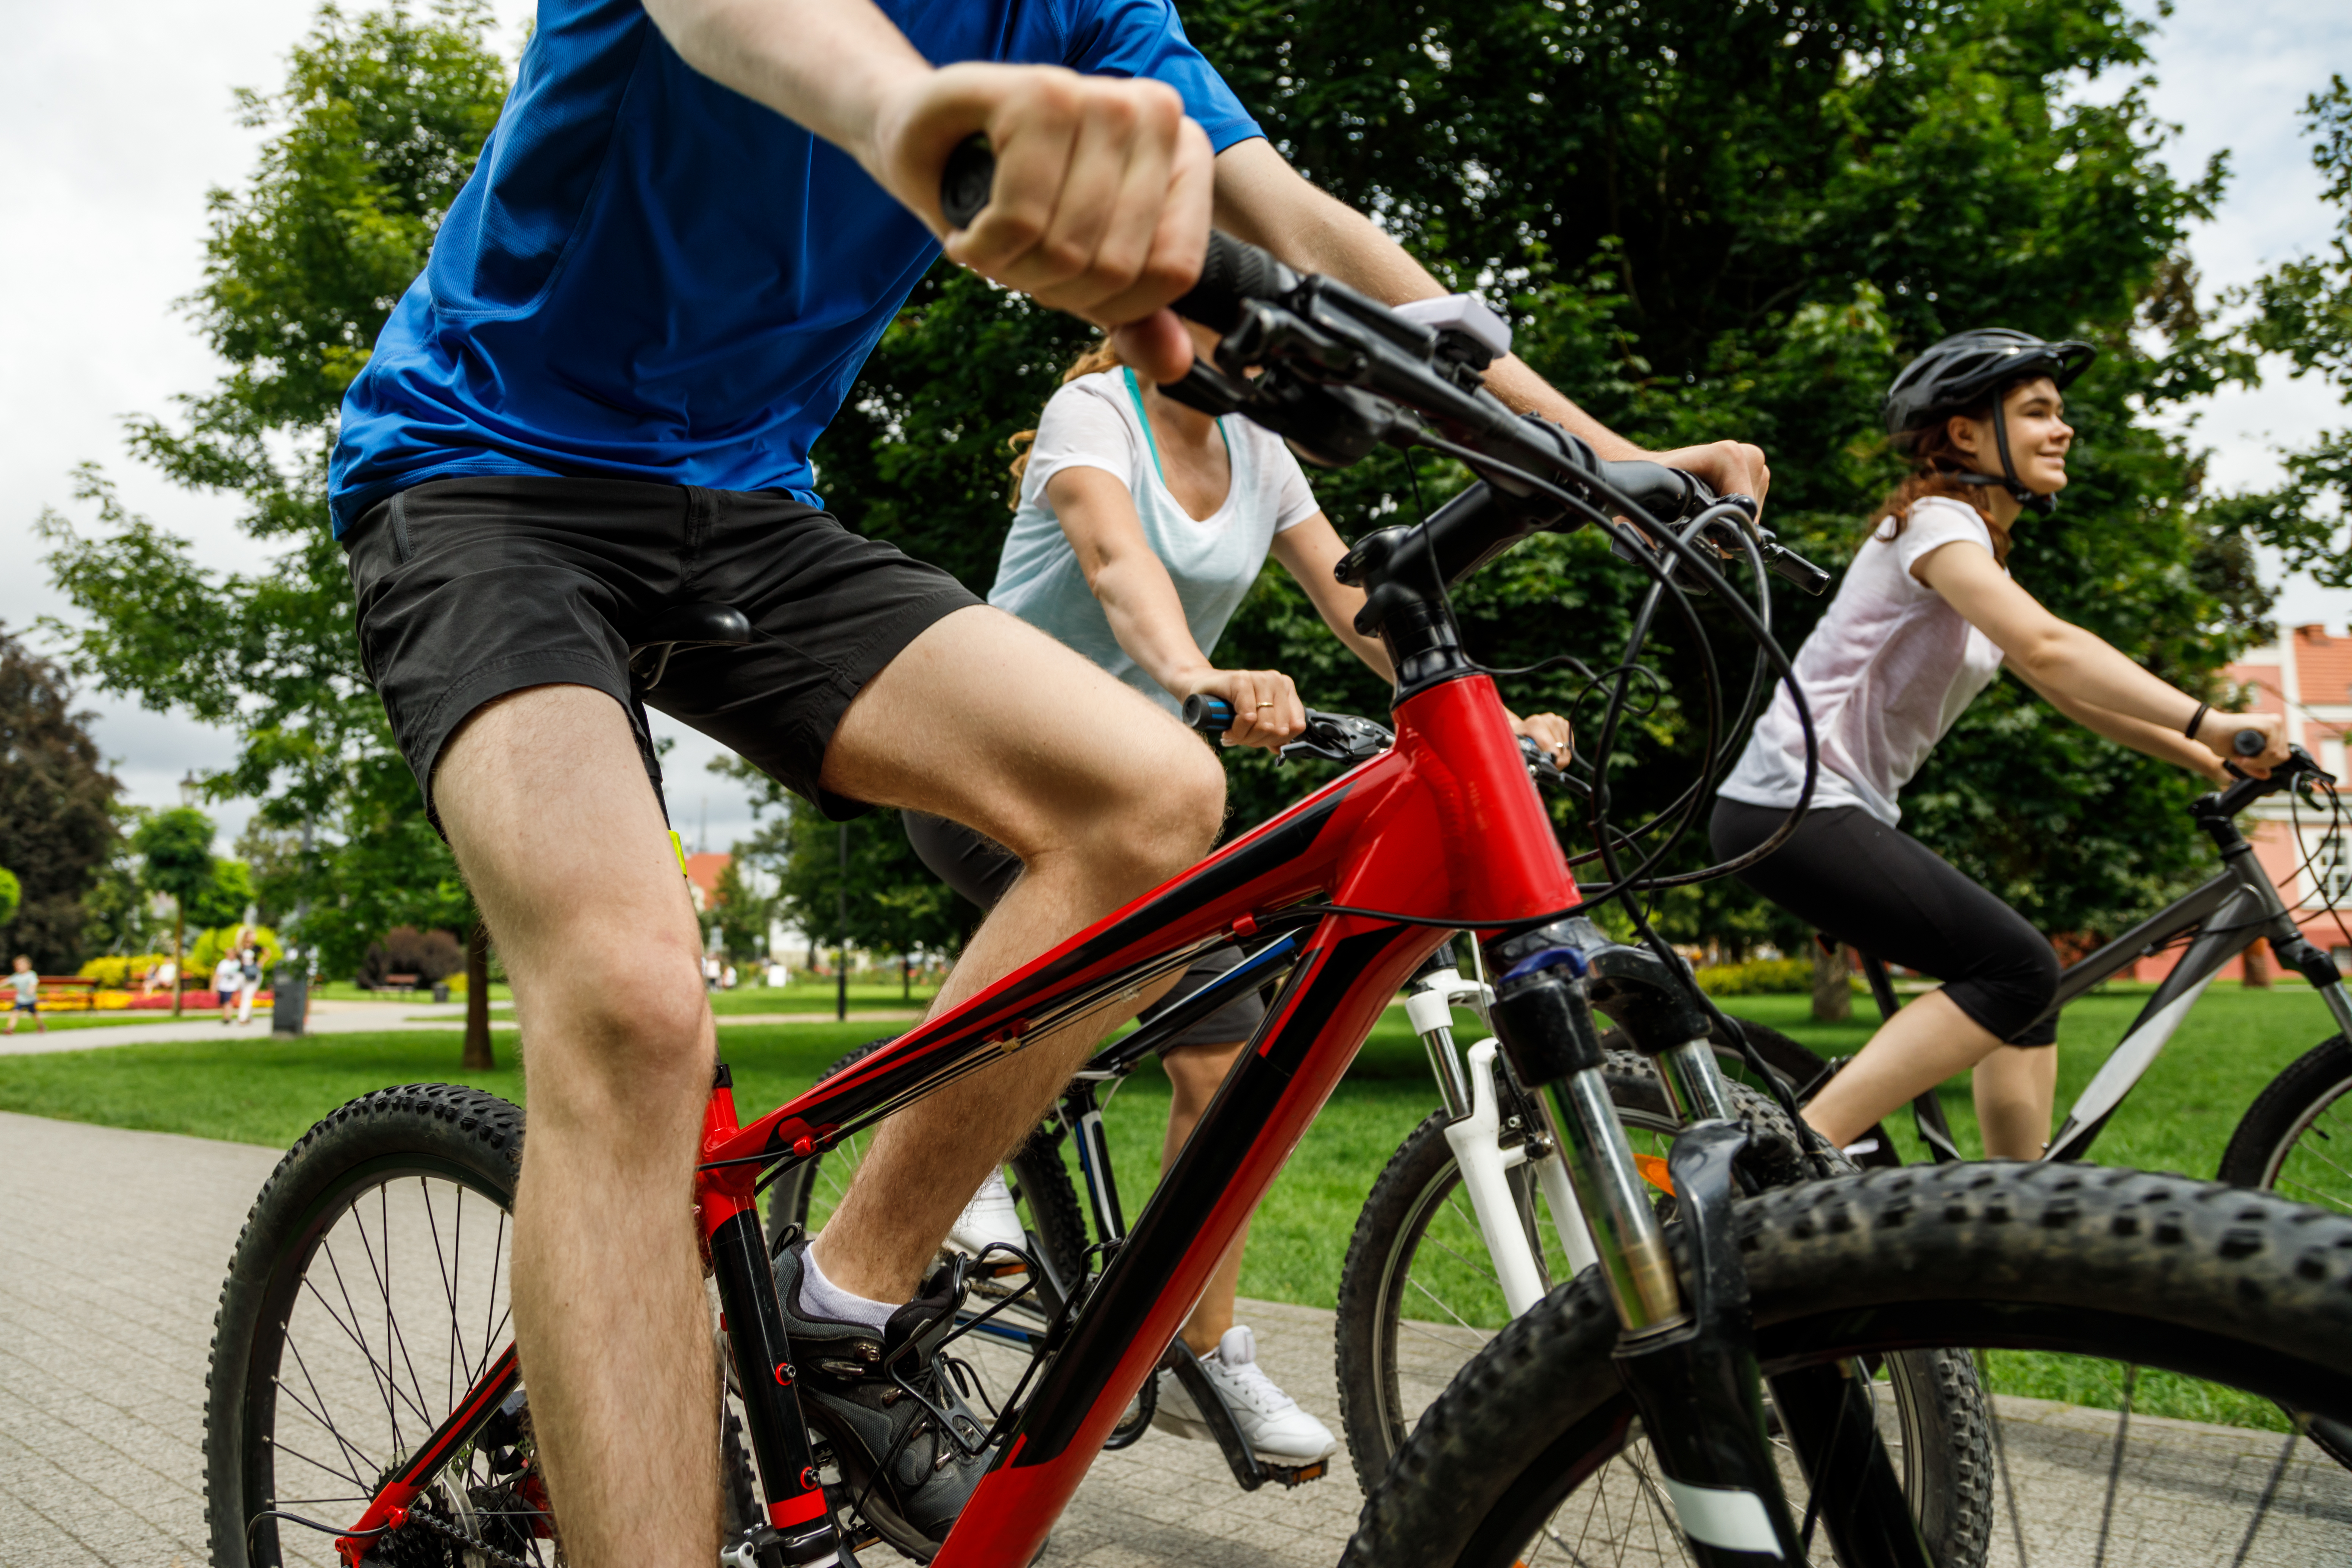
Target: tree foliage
point(2303, 311)
point(377, 127)
point(1710, 221)
point(56, 810)
point(893, 903)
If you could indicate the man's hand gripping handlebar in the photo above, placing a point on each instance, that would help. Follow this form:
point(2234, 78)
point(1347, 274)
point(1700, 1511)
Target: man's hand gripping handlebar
point(1341, 373)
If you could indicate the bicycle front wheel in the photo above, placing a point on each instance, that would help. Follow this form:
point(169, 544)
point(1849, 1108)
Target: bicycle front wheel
point(2083, 1281)
point(2296, 1138)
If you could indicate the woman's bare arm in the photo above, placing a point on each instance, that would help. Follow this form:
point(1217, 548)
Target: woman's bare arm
point(2069, 665)
point(2152, 739)
point(1097, 515)
point(1308, 550)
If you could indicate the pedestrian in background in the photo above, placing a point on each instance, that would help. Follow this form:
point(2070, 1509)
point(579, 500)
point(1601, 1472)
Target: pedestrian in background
point(27, 986)
point(227, 974)
point(248, 983)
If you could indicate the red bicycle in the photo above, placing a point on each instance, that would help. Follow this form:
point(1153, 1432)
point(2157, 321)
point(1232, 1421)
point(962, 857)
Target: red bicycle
point(364, 1401)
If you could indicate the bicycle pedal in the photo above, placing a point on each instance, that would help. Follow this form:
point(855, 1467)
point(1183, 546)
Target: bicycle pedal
point(1294, 1474)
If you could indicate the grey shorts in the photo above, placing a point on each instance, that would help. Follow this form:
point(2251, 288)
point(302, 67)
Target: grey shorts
point(469, 589)
point(982, 869)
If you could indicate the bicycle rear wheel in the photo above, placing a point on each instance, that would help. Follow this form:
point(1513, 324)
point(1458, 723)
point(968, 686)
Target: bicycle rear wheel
point(367, 1293)
point(1533, 1456)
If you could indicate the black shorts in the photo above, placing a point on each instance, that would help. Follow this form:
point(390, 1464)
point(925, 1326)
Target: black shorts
point(471, 588)
point(1877, 888)
point(982, 869)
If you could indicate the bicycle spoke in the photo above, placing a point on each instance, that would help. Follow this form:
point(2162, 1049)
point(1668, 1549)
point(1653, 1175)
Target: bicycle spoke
point(393, 1334)
point(2270, 1495)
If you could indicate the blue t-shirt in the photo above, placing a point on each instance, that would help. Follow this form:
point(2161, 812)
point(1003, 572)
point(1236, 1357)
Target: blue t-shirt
point(651, 277)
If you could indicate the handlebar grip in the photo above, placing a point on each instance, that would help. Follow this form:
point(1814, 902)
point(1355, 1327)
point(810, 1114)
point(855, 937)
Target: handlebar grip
point(1799, 573)
point(1664, 493)
point(964, 183)
point(1210, 715)
point(1232, 270)
point(2247, 743)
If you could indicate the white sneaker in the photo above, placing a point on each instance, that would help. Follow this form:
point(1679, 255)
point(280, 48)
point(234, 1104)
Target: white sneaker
point(988, 1220)
point(1271, 1422)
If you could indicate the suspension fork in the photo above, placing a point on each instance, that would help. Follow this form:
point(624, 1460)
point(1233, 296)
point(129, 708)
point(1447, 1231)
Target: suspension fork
point(1686, 1355)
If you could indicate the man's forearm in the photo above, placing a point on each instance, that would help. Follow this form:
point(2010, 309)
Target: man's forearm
point(1264, 201)
point(829, 65)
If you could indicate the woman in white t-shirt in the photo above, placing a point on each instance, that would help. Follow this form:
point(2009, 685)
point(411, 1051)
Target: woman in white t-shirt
point(1926, 616)
point(1139, 524)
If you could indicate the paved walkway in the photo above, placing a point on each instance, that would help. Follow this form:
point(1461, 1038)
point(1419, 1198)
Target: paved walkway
point(110, 1262)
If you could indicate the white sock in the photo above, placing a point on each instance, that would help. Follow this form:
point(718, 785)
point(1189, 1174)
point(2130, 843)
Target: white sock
point(827, 1299)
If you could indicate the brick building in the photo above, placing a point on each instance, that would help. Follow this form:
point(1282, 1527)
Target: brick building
point(2307, 675)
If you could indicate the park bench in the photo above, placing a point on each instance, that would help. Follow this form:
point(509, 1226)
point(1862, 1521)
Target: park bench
point(67, 993)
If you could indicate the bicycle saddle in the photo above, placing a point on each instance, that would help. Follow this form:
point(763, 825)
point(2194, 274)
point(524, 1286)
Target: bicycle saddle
point(686, 625)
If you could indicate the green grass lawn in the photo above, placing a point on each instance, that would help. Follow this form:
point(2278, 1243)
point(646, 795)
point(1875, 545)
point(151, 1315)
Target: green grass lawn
point(255, 1091)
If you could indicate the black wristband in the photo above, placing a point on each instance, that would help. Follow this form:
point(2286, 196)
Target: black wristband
point(2196, 718)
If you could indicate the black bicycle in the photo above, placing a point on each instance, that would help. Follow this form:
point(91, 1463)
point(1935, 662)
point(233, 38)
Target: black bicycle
point(2294, 1137)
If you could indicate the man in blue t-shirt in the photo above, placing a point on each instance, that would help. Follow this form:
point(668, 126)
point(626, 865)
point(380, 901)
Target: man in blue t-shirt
point(694, 220)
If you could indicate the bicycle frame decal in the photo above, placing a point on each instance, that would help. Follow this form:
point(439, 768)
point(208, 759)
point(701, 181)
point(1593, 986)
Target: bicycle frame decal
point(1446, 823)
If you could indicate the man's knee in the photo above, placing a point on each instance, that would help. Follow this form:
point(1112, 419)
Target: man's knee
point(1166, 809)
point(613, 1031)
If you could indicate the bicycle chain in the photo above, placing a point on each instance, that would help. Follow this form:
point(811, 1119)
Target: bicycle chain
point(490, 1553)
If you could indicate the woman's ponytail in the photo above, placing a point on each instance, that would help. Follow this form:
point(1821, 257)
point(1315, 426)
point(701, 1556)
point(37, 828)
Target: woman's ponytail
point(1101, 355)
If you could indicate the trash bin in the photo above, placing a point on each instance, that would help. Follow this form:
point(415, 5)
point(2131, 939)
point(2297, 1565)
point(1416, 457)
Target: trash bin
point(292, 1002)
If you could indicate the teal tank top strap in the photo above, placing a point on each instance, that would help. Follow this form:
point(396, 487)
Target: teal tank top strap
point(1145, 420)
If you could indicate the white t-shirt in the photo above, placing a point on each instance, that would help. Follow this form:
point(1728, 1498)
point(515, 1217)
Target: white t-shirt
point(1097, 422)
point(228, 974)
point(1886, 673)
point(27, 984)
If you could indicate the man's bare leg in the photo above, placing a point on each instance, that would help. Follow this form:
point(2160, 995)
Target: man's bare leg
point(986, 721)
point(556, 826)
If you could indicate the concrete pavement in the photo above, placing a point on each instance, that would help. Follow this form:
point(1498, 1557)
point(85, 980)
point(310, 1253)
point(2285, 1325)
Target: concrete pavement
point(115, 1243)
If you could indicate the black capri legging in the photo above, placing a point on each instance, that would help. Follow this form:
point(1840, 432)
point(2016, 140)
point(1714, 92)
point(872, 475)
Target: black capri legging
point(1879, 889)
point(982, 869)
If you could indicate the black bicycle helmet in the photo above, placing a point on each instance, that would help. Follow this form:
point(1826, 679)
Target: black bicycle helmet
point(1964, 372)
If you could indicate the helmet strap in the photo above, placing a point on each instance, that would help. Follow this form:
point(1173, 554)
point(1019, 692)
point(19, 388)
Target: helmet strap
point(2029, 500)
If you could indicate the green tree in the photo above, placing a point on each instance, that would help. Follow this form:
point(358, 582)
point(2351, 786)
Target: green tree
point(175, 851)
point(1705, 222)
point(739, 913)
point(893, 902)
point(2303, 311)
point(12, 894)
point(57, 809)
point(377, 125)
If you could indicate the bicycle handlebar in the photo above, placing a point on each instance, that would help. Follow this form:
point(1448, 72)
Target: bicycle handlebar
point(1344, 374)
point(1345, 738)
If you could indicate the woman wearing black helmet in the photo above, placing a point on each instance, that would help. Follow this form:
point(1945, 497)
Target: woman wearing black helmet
point(1925, 617)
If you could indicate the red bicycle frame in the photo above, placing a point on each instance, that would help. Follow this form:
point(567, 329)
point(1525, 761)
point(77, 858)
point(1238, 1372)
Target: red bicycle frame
point(1445, 826)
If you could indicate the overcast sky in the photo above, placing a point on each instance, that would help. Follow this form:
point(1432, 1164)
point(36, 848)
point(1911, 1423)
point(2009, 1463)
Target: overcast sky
point(115, 121)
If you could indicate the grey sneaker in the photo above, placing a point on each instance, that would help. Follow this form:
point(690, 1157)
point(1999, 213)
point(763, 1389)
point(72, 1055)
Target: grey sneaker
point(908, 1445)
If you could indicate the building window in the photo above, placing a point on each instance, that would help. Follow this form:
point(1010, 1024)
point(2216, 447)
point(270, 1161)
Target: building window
point(2327, 880)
